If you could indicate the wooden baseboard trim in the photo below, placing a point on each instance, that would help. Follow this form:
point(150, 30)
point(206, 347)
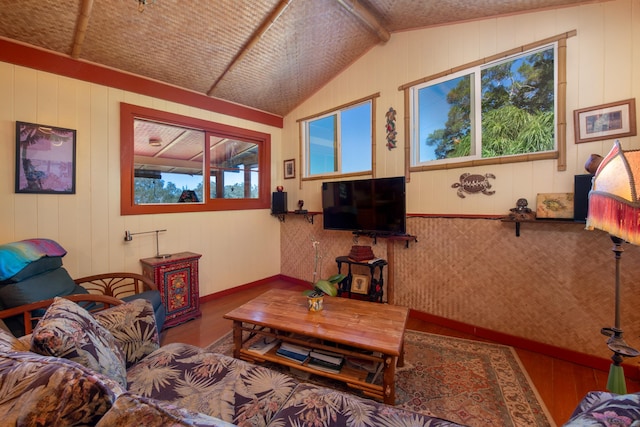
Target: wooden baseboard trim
point(241, 288)
point(599, 363)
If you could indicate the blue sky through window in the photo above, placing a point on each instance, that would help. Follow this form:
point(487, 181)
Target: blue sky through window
point(434, 112)
point(356, 138)
point(355, 141)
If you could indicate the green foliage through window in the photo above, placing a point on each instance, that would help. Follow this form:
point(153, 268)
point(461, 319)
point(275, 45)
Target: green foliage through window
point(512, 100)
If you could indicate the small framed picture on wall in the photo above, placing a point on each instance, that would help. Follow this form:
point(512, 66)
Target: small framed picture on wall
point(45, 159)
point(614, 120)
point(289, 169)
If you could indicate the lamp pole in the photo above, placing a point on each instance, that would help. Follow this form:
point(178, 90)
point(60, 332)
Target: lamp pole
point(128, 236)
point(616, 382)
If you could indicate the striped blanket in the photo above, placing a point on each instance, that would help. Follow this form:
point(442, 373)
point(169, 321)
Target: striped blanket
point(17, 255)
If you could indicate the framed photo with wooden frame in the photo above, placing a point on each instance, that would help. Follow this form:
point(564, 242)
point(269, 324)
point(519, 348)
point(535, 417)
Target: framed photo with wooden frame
point(289, 169)
point(45, 159)
point(614, 120)
point(360, 284)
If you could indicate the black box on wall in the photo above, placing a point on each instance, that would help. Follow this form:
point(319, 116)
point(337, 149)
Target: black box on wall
point(279, 202)
point(581, 188)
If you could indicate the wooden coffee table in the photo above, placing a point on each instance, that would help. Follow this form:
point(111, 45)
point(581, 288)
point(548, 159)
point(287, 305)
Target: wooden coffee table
point(360, 329)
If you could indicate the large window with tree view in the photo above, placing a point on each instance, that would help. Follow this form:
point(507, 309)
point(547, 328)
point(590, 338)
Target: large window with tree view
point(502, 108)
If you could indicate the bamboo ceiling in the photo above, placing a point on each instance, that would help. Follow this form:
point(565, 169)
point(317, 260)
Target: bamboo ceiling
point(267, 54)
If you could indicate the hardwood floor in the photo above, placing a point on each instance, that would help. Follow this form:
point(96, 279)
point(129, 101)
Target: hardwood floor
point(560, 384)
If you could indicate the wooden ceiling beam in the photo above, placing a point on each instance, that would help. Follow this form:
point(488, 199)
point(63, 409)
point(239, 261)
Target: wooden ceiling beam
point(366, 17)
point(255, 37)
point(81, 28)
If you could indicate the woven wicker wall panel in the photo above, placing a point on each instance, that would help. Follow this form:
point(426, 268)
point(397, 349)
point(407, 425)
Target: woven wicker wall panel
point(554, 284)
point(298, 254)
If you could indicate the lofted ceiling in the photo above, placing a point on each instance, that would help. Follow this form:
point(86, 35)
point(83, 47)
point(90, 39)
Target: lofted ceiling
point(270, 55)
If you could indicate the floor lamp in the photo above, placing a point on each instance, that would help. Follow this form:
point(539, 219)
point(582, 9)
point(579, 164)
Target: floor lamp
point(614, 208)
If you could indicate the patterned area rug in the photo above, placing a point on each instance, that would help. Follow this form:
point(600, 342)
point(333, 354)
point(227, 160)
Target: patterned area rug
point(469, 382)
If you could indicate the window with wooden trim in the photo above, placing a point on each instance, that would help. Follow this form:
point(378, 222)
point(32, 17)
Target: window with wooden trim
point(508, 108)
point(173, 163)
point(339, 142)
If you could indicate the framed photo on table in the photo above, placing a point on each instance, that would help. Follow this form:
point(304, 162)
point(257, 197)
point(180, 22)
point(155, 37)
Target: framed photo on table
point(614, 120)
point(360, 284)
point(289, 169)
point(45, 159)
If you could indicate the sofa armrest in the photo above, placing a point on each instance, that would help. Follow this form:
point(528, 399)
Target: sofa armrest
point(117, 285)
point(43, 390)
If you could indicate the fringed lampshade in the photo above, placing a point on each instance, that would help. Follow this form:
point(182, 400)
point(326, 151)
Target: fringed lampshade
point(613, 201)
point(614, 208)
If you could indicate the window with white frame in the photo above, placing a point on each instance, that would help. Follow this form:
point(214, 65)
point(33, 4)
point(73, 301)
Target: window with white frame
point(338, 142)
point(502, 108)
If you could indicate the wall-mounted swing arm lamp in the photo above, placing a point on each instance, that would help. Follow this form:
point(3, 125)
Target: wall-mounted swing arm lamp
point(128, 236)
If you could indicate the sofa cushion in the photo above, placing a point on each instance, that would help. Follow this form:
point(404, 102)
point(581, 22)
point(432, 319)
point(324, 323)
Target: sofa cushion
point(156, 302)
point(132, 410)
point(39, 390)
point(68, 330)
point(37, 288)
point(34, 268)
point(153, 296)
point(10, 343)
point(16, 256)
point(319, 406)
point(217, 385)
point(133, 325)
point(606, 409)
point(47, 285)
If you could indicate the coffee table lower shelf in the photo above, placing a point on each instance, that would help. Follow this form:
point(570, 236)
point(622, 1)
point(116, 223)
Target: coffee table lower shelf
point(352, 377)
point(369, 334)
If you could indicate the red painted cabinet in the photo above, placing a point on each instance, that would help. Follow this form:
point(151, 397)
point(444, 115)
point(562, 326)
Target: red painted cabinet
point(176, 277)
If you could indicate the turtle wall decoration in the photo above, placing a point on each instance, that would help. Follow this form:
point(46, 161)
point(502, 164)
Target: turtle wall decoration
point(474, 183)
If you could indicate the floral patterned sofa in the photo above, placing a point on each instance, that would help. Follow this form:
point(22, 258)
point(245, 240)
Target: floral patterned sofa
point(107, 369)
point(599, 408)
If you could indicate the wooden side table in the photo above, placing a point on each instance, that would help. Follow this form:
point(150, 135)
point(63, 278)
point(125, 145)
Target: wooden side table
point(176, 277)
point(374, 289)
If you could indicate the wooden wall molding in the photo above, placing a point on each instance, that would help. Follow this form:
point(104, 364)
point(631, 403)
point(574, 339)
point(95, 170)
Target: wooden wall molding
point(44, 60)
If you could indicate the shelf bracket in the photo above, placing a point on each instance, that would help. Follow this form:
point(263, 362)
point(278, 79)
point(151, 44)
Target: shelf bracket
point(406, 237)
point(308, 216)
point(406, 243)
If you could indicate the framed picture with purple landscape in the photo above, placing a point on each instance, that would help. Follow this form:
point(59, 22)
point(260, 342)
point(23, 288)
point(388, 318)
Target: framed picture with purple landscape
point(45, 159)
point(614, 120)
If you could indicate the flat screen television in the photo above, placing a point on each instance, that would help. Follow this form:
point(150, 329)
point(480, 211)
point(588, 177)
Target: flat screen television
point(374, 206)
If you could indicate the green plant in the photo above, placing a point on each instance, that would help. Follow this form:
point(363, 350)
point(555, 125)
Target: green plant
point(322, 286)
point(325, 286)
